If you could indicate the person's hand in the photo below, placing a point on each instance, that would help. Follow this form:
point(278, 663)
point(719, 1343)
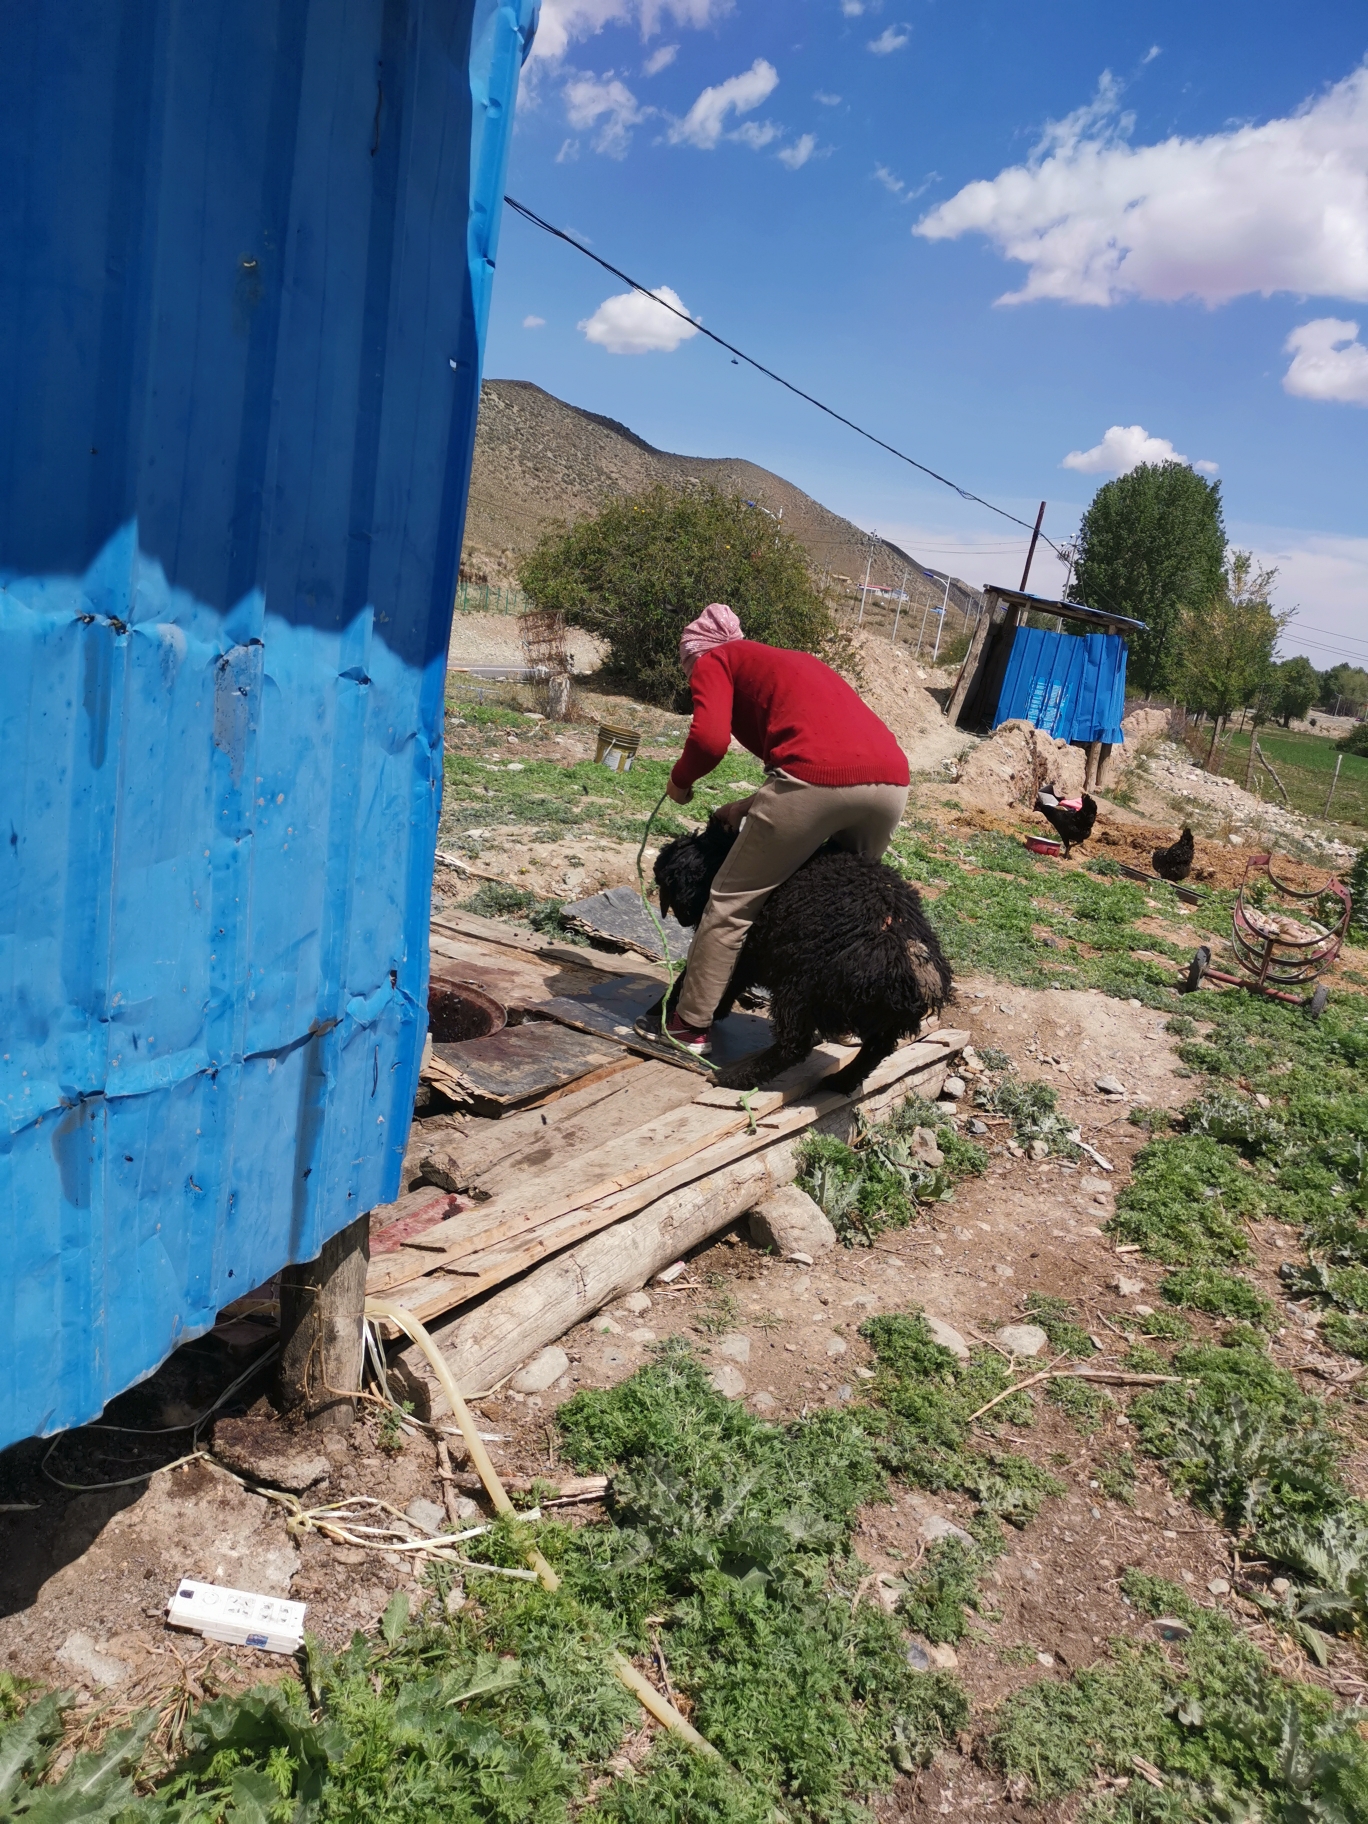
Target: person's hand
point(678, 794)
point(731, 814)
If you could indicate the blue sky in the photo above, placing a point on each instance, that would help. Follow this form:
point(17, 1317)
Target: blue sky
point(1028, 246)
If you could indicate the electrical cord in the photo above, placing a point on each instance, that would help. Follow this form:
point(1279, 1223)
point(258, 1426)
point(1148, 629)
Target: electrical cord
point(738, 354)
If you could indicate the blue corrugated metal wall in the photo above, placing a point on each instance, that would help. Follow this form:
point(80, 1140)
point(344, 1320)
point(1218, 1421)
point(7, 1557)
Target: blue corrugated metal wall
point(247, 253)
point(1068, 685)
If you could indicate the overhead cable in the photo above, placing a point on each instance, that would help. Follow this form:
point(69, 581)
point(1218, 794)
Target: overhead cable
point(769, 373)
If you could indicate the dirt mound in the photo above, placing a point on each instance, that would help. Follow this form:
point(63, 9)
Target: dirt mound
point(1007, 770)
point(894, 688)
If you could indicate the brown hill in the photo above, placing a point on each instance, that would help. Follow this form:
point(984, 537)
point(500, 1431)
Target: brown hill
point(539, 461)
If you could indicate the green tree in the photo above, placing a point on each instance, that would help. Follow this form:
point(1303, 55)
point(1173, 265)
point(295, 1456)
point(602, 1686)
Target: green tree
point(648, 563)
point(1296, 686)
point(1226, 647)
point(1152, 544)
point(1345, 685)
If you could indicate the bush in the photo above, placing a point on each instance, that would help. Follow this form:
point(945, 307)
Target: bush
point(1356, 741)
point(647, 564)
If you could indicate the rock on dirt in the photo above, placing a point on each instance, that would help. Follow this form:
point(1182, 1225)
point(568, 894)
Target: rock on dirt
point(1022, 1339)
point(791, 1223)
point(261, 1451)
point(728, 1380)
point(543, 1371)
point(890, 684)
point(736, 1347)
point(947, 1337)
point(932, 1524)
point(1007, 770)
point(80, 1654)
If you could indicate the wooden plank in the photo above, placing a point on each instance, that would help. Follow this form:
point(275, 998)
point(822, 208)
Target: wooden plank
point(391, 1224)
point(523, 1061)
point(491, 931)
point(644, 1162)
point(972, 660)
point(432, 1295)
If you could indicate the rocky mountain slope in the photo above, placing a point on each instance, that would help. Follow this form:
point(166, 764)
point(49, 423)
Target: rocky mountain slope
point(539, 460)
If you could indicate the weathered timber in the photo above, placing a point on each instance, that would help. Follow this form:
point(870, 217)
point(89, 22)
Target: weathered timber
point(322, 1303)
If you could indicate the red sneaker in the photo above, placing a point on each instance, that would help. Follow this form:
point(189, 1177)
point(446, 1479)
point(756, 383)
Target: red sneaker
point(696, 1040)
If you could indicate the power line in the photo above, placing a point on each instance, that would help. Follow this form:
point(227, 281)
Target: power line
point(769, 373)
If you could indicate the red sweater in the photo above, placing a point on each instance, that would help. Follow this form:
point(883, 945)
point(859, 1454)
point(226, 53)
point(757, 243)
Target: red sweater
point(792, 712)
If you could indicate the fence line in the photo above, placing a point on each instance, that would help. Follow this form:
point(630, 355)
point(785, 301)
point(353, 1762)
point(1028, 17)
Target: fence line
point(489, 598)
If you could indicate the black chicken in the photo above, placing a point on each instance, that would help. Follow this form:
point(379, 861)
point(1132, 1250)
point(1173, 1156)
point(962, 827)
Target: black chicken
point(1174, 862)
point(1073, 818)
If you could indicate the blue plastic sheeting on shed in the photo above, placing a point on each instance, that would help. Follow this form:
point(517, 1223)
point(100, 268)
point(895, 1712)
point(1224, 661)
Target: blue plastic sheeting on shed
point(248, 254)
point(1067, 685)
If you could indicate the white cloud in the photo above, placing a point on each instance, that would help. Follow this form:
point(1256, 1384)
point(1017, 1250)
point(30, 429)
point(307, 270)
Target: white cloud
point(756, 133)
point(634, 324)
point(660, 60)
point(1328, 362)
point(827, 101)
point(798, 154)
point(569, 152)
point(1323, 576)
point(1150, 55)
point(706, 120)
point(563, 22)
point(1277, 207)
point(891, 183)
point(534, 322)
point(891, 38)
point(1124, 448)
point(852, 8)
point(590, 100)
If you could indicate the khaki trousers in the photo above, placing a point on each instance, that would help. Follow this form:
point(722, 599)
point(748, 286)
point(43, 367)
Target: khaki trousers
point(787, 824)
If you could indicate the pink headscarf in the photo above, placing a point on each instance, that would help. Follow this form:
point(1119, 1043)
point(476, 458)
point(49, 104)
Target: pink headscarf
point(716, 626)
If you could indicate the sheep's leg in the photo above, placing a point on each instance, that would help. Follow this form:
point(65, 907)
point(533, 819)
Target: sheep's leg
point(793, 1040)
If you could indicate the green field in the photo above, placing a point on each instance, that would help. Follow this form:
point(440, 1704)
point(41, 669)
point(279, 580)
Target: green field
point(1306, 765)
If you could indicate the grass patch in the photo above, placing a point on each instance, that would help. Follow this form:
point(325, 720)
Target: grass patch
point(1306, 765)
point(941, 1588)
point(1185, 1201)
point(1227, 1737)
point(1218, 1294)
point(494, 899)
point(1082, 1403)
point(878, 1182)
point(1056, 1318)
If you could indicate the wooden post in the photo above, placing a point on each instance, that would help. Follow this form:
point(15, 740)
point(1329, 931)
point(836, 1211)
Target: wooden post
point(1094, 761)
point(322, 1306)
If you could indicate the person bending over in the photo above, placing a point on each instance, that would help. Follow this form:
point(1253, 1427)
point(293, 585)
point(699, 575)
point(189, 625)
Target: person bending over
point(832, 771)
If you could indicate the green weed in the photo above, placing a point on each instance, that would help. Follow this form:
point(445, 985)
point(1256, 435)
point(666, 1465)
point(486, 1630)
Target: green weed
point(1185, 1202)
point(1116, 1478)
point(941, 1588)
point(1226, 1736)
point(1080, 1402)
point(1056, 1318)
point(1219, 1294)
point(879, 1181)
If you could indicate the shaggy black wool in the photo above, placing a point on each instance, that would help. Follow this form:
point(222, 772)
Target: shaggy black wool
point(843, 947)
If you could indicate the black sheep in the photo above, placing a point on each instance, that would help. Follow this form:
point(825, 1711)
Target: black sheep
point(843, 948)
point(1074, 822)
point(1175, 862)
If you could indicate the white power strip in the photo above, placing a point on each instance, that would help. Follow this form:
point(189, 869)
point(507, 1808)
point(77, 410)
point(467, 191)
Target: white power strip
point(239, 1617)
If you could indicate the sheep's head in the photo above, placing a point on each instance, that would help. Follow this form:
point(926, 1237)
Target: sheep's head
point(685, 868)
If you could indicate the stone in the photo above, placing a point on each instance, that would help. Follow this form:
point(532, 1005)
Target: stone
point(466, 1509)
point(1280, 1586)
point(735, 1346)
point(1093, 1185)
point(800, 1259)
point(1109, 1086)
point(947, 1337)
point(668, 1275)
point(263, 1450)
point(638, 1303)
point(943, 1658)
point(1143, 1310)
point(1044, 1659)
point(426, 1514)
point(1127, 1287)
point(917, 1657)
point(1262, 1100)
point(1039, 1149)
point(1016, 1149)
point(642, 1336)
point(932, 1524)
point(978, 1127)
point(835, 1345)
point(923, 1147)
point(1170, 1627)
point(789, 1222)
point(954, 1087)
point(764, 1402)
point(543, 1371)
point(605, 1326)
point(1219, 1586)
point(83, 1655)
point(728, 1380)
point(1022, 1339)
point(1005, 1272)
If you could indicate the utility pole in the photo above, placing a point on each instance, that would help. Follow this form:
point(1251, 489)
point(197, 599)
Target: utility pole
point(940, 626)
point(864, 586)
point(893, 637)
point(1031, 552)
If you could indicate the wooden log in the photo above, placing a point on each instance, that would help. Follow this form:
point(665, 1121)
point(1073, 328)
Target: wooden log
point(484, 1345)
point(322, 1303)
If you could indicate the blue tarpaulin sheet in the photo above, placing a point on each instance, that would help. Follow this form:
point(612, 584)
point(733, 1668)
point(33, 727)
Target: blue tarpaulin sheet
point(1066, 685)
point(248, 254)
